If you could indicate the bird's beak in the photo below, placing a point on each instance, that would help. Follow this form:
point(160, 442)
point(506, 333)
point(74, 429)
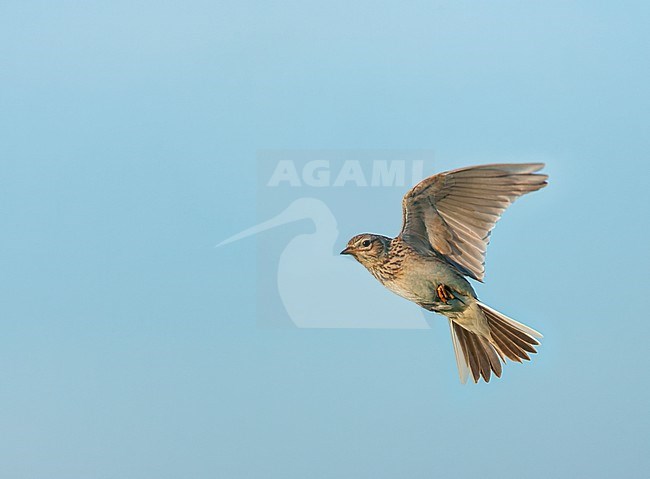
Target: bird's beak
point(347, 250)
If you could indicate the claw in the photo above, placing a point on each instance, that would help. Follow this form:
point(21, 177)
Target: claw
point(443, 293)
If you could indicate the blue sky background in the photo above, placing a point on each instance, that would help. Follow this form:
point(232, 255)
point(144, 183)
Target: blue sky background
point(128, 137)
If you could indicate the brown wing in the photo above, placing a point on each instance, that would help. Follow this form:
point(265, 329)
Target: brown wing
point(454, 212)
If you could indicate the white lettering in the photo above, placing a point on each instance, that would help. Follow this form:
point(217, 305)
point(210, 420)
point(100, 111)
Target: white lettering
point(388, 174)
point(316, 173)
point(351, 171)
point(285, 170)
point(417, 171)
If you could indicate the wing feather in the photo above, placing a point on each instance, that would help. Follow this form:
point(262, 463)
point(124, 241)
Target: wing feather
point(454, 212)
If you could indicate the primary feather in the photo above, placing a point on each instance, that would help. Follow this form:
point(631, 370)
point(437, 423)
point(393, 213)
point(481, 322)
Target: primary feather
point(453, 213)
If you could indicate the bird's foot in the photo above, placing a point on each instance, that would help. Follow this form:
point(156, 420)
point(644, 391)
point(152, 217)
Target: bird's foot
point(443, 293)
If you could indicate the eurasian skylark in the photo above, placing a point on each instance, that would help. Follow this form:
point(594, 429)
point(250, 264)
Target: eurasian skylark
point(447, 219)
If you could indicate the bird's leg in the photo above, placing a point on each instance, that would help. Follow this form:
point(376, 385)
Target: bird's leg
point(443, 293)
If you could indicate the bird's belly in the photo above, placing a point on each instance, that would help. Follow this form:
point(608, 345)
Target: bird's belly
point(418, 281)
point(421, 291)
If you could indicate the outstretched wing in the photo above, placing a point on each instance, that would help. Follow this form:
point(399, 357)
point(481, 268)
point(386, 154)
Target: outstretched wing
point(454, 212)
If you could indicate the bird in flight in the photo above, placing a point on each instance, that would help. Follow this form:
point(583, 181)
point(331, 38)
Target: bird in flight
point(446, 224)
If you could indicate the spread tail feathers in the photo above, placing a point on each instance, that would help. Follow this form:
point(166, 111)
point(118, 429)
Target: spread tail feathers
point(482, 355)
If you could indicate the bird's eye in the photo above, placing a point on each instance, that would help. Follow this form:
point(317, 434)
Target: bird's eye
point(365, 243)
